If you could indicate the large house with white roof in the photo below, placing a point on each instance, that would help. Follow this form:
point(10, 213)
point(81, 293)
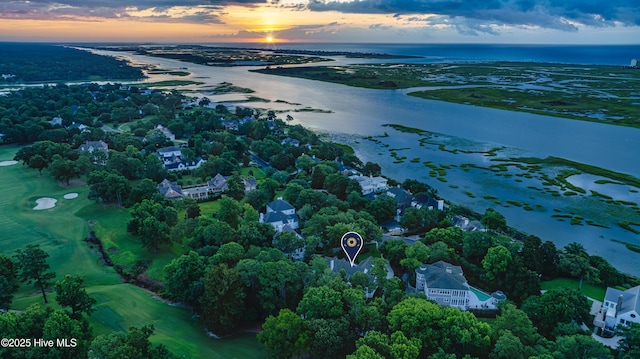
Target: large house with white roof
point(619, 307)
point(371, 184)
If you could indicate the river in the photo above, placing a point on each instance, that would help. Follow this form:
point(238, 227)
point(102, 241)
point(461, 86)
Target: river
point(358, 112)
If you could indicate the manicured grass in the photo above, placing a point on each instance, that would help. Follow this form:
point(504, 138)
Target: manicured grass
point(258, 173)
point(60, 232)
point(125, 305)
point(370, 250)
point(208, 209)
point(592, 291)
point(110, 223)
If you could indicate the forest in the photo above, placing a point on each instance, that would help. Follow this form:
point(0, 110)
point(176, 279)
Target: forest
point(34, 62)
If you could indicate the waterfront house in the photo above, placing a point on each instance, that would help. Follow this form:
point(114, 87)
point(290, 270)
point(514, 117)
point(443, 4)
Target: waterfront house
point(370, 184)
point(423, 200)
point(466, 224)
point(619, 307)
point(444, 284)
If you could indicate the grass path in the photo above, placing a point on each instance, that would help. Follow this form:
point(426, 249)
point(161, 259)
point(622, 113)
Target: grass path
point(60, 231)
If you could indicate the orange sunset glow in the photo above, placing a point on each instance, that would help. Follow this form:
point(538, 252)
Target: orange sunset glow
point(311, 21)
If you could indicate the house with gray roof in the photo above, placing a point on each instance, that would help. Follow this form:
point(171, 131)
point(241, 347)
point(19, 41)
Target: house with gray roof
point(619, 307)
point(443, 283)
point(217, 184)
point(466, 224)
point(402, 196)
point(423, 200)
point(250, 184)
point(170, 190)
point(336, 265)
point(279, 214)
point(90, 146)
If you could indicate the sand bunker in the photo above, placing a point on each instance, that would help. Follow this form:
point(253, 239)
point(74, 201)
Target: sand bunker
point(71, 195)
point(8, 163)
point(45, 203)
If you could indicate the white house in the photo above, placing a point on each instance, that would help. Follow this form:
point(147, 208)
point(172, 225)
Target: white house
point(619, 307)
point(443, 283)
point(169, 154)
point(634, 63)
point(197, 192)
point(172, 160)
point(280, 214)
point(371, 184)
point(90, 146)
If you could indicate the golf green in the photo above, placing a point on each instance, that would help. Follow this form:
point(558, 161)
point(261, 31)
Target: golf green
point(60, 231)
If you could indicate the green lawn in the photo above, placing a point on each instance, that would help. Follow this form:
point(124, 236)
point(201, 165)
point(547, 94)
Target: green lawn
point(60, 232)
point(258, 173)
point(591, 291)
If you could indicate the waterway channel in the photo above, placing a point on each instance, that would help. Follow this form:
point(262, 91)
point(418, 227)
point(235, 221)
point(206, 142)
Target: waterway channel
point(350, 115)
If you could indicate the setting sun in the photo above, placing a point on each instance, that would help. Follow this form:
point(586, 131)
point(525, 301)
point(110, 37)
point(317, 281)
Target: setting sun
point(269, 39)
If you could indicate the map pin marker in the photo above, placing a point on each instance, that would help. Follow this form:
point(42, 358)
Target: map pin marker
point(351, 244)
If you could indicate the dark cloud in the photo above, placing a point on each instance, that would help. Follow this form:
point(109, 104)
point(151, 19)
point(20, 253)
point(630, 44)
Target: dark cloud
point(84, 9)
point(476, 15)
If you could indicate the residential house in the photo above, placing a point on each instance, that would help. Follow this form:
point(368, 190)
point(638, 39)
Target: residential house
point(423, 200)
point(346, 170)
point(169, 154)
point(56, 121)
point(298, 253)
point(173, 160)
point(90, 146)
point(280, 214)
point(229, 124)
point(217, 184)
point(80, 127)
point(165, 131)
point(170, 190)
point(197, 193)
point(181, 165)
point(290, 142)
point(371, 184)
point(336, 265)
point(619, 307)
point(443, 283)
point(392, 227)
point(403, 198)
point(98, 151)
point(466, 224)
point(250, 184)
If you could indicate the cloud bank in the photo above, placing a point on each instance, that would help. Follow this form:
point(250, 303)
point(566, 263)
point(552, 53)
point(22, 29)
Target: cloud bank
point(566, 15)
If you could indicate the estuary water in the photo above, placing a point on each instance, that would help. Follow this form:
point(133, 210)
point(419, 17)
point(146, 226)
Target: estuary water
point(351, 114)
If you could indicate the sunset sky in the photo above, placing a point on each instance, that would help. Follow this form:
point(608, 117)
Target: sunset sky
point(406, 21)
